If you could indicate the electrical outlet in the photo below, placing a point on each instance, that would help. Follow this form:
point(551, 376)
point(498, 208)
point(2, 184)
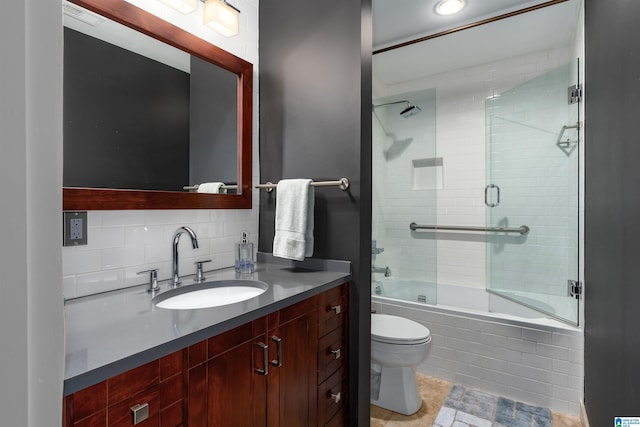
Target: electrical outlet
point(75, 228)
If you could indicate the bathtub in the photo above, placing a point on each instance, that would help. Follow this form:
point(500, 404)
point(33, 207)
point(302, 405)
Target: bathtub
point(488, 342)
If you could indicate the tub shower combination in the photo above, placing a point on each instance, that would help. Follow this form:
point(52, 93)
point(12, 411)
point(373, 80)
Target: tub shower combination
point(514, 330)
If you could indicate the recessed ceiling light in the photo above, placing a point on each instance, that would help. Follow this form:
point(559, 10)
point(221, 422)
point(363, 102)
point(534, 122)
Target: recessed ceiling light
point(449, 7)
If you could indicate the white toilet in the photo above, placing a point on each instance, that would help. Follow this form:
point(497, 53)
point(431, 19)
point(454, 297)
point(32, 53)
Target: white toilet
point(397, 346)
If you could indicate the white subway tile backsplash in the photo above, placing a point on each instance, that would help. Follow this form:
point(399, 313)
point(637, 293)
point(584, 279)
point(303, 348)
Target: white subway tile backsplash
point(122, 257)
point(107, 237)
point(101, 281)
point(143, 235)
point(80, 261)
point(120, 218)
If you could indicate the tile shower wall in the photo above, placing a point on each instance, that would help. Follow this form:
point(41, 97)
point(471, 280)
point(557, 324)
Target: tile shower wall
point(537, 364)
point(122, 243)
point(460, 142)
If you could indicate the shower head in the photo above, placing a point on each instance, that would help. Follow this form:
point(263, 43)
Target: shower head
point(410, 110)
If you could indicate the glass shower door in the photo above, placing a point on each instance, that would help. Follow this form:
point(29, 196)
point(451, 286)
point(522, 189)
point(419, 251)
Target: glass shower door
point(533, 180)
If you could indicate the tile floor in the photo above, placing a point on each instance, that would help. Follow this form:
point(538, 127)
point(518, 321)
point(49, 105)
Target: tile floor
point(447, 404)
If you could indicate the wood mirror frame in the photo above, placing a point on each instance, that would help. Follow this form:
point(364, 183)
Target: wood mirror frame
point(116, 199)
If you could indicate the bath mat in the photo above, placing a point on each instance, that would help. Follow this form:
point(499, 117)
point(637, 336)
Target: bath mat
point(467, 407)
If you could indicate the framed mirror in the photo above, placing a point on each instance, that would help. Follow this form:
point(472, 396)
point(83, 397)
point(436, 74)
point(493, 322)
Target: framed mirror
point(195, 124)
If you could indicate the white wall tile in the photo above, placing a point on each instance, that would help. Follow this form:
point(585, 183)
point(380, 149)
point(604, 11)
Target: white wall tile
point(500, 357)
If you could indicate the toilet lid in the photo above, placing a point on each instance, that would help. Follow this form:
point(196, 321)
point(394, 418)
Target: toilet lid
point(398, 330)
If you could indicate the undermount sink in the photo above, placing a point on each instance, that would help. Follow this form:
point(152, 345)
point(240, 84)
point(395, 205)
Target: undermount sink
point(210, 294)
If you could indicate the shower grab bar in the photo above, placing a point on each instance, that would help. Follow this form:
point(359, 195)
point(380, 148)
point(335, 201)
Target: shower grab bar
point(343, 183)
point(523, 229)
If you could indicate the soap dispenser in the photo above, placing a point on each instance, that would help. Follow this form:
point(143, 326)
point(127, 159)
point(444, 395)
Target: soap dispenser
point(244, 255)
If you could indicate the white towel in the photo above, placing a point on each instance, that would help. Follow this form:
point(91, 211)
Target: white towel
point(294, 219)
point(211, 187)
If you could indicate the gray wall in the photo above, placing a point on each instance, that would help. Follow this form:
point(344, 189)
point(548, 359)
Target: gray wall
point(315, 122)
point(31, 306)
point(612, 211)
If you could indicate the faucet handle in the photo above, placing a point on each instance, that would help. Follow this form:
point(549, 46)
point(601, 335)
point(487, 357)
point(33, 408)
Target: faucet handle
point(153, 279)
point(199, 272)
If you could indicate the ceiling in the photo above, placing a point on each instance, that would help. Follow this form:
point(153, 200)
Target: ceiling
point(541, 29)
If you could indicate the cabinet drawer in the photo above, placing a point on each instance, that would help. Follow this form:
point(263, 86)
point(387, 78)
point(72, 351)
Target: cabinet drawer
point(332, 309)
point(120, 414)
point(331, 396)
point(331, 353)
point(132, 382)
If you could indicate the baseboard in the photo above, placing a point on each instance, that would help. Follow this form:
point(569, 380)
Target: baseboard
point(583, 415)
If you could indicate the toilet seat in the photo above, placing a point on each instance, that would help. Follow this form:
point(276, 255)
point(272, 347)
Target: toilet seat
point(398, 330)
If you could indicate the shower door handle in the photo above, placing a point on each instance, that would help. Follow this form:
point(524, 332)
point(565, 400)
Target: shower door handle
point(486, 195)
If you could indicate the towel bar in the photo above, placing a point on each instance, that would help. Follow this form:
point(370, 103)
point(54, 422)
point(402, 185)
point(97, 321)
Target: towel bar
point(343, 183)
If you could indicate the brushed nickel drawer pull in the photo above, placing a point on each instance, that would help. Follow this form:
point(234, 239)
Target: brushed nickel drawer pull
point(277, 362)
point(336, 353)
point(265, 359)
point(139, 413)
point(336, 308)
point(335, 397)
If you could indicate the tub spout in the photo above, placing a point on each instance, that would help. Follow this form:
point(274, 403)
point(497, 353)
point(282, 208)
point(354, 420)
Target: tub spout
point(385, 270)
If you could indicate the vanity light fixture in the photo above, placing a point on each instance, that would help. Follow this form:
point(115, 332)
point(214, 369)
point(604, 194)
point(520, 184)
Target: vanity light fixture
point(218, 14)
point(449, 7)
point(221, 16)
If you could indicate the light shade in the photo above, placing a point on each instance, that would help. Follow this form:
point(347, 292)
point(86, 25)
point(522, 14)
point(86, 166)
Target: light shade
point(184, 6)
point(221, 16)
point(449, 7)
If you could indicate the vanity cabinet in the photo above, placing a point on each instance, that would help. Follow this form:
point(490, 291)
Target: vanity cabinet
point(287, 368)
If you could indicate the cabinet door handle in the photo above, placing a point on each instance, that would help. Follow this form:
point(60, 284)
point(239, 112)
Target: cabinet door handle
point(265, 359)
point(277, 362)
point(336, 353)
point(335, 397)
point(336, 308)
point(139, 413)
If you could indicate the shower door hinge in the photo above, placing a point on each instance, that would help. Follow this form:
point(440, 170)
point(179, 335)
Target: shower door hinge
point(574, 288)
point(574, 94)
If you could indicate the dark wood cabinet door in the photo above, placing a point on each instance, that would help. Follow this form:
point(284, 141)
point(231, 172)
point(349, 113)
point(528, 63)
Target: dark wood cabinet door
point(231, 388)
point(292, 380)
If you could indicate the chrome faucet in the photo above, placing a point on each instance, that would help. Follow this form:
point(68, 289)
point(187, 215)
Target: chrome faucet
point(175, 277)
point(385, 270)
